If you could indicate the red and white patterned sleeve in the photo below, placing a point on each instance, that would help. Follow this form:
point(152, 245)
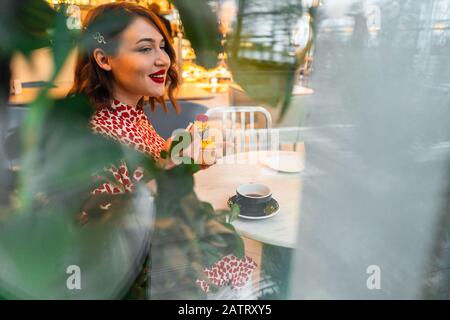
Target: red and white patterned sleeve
point(117, 180)
point(230, 270)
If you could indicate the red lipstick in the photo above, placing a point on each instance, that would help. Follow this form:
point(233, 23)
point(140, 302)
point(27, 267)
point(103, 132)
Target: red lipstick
point(158, 77)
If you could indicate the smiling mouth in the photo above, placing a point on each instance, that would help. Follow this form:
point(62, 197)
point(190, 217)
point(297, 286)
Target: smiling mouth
point(158, 77)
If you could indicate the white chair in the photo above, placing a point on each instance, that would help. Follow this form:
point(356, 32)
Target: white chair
point(242, 126)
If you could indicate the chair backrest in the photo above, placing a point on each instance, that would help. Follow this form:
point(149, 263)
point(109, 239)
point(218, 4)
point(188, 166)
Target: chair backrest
point(165, 123)
point(240, 126)
point(286, 138)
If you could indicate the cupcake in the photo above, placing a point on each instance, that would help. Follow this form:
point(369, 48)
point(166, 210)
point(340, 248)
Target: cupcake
point(202, 126)
point(207, 155)
point(207, 152)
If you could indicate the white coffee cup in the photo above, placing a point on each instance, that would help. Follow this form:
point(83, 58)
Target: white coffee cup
point(254, 193)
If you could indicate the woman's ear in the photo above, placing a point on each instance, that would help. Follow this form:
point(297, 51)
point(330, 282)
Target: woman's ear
point(102, 59)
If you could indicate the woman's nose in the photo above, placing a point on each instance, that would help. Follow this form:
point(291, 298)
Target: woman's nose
point(162, 59)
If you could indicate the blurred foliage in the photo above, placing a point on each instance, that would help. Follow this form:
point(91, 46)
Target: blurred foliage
point(201, 28)
point(188, 236)
point(42, 232)
point(41, 236)
point(263, 64)
point(23, 28)
point(24, 25)
point(260, 51)
point(267, 83)
point(54, 157)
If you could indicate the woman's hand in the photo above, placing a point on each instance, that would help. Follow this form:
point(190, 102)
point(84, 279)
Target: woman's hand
point(192, 151)
point(194, 148)
point(186, 152)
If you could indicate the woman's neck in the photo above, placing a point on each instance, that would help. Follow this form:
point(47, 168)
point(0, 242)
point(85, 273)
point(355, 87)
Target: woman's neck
point(127, 98)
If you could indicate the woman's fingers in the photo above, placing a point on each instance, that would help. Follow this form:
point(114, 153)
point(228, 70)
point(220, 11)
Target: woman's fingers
point(190, 127)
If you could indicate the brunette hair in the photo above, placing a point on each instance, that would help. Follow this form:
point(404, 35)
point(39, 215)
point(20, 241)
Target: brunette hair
point(110, 20)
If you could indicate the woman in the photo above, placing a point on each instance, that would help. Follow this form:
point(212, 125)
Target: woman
point(128, 57)
point(122, 65)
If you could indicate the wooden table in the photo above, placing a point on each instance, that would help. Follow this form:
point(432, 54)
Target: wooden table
point(218, 183)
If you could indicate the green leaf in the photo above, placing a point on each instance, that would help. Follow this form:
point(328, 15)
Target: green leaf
point(264, 65)
point(240, 248)
point(61, 152)
point(210, 254)
point(24, 25)
point(63, 40)
point(178, 178)
point(235, 210)
point(201, 28)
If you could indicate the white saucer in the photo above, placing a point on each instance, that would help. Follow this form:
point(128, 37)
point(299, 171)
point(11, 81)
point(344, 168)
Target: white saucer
point(285, 161)
point(258, 218)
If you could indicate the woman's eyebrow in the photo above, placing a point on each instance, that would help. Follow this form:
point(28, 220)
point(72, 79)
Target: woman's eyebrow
point(149, 40)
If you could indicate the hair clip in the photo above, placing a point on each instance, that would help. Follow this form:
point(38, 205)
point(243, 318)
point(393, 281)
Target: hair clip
point(100, 39)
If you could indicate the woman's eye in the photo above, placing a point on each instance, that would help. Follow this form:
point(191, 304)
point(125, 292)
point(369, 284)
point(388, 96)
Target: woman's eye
point(145, 50)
